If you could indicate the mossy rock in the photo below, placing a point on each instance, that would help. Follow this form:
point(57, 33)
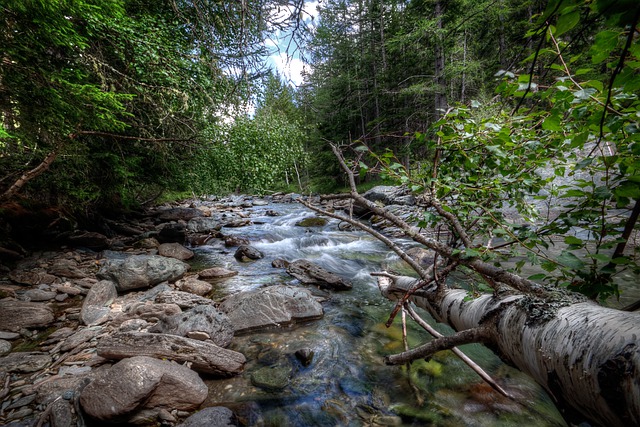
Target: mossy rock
point(271, 378)
point(313, 221)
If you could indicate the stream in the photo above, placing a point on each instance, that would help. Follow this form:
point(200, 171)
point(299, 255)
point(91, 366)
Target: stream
point(347, 383)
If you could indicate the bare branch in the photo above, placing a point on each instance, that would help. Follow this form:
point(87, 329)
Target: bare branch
point(475, 335)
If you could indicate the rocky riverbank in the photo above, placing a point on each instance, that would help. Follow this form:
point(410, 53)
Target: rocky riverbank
point(122, 329)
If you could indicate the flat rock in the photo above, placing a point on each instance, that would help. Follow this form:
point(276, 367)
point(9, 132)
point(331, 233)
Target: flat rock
point(24, 362)
point(312, 274)
point(15, 315)
point(203, 356)
point(138, 383)
point(39, 295)
point(95, 308)
point(141, 271)
point(216, 273)
point(271, 306)
point(215, 416)
point(175, 250)
point(202, 318)
point(195, 286)
point(176, 214)
point(184, 300)
point(66, 268)
point(203, 225)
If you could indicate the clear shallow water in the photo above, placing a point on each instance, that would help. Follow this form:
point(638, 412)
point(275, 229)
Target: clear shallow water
point(347, 383)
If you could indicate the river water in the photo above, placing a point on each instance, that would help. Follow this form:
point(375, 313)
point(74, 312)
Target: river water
point(347, 383)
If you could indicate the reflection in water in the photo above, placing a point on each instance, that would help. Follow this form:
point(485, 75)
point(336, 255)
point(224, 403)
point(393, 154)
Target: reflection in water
point(346, 383)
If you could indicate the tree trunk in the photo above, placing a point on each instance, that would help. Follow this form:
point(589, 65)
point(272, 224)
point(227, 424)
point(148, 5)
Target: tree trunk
point(440, 84)
point(29, 175)
point(585, 355)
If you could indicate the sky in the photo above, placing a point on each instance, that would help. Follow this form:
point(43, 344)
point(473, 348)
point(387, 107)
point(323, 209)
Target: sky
point(289, 64)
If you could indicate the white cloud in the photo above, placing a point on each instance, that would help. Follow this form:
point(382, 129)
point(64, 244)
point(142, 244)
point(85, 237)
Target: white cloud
point(291, 68)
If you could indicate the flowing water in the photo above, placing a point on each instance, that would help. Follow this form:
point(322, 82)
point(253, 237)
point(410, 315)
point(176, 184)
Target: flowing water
point(347, 383)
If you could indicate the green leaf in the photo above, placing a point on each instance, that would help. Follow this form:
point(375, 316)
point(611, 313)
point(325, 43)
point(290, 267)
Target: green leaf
point(571, 261)
point(538, 276)
point(552, 123)
point(605, 42)
point(572, 240)
point(567, 21)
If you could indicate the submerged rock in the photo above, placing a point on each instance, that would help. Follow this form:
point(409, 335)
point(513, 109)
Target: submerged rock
point(216, 416)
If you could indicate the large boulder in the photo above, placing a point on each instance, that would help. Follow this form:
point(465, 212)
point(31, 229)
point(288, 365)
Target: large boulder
point(203, 356)
point(173, 233)
point(202, 320)
point(96, 306)
point(141, 271)
point(271, 306)
point(141, 384)
point(16, 315)
point(312, 274)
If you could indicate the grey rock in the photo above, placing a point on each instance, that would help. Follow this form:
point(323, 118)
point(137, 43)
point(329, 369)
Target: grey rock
point(389, 195)
point(95, 308)
point(312, 274)
point(80, 337)
point(5, 335)
point(305, 356)
point(138, 383)
point(247, 253)
point(5, 347)
point(24, 362)
point(202, 318)
point(184, 300)
point(175, 250)
point(271, 306)
point(215, 416)
point(39, 295)
point(203, 225)
point(141, 271)
point(16, 315)
point(177, 214)
point(203, 356)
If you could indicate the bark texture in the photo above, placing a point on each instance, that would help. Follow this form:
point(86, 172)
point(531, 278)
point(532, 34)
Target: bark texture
point(585, 355)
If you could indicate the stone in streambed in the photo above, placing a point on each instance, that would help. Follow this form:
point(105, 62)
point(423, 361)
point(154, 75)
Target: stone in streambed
point(141, 383)
point(271, 306)
point(216, 416)
point(141, 271)
point(16, 315)
point(95, 308)
point(312, 274)
point(202, 318)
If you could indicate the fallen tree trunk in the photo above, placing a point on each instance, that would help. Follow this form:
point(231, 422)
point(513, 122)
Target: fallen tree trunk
point(585, 355)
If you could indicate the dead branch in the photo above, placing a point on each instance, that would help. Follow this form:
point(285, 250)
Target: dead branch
point(468, 336)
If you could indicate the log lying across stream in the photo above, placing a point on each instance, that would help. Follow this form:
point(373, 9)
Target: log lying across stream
point(585, 355)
